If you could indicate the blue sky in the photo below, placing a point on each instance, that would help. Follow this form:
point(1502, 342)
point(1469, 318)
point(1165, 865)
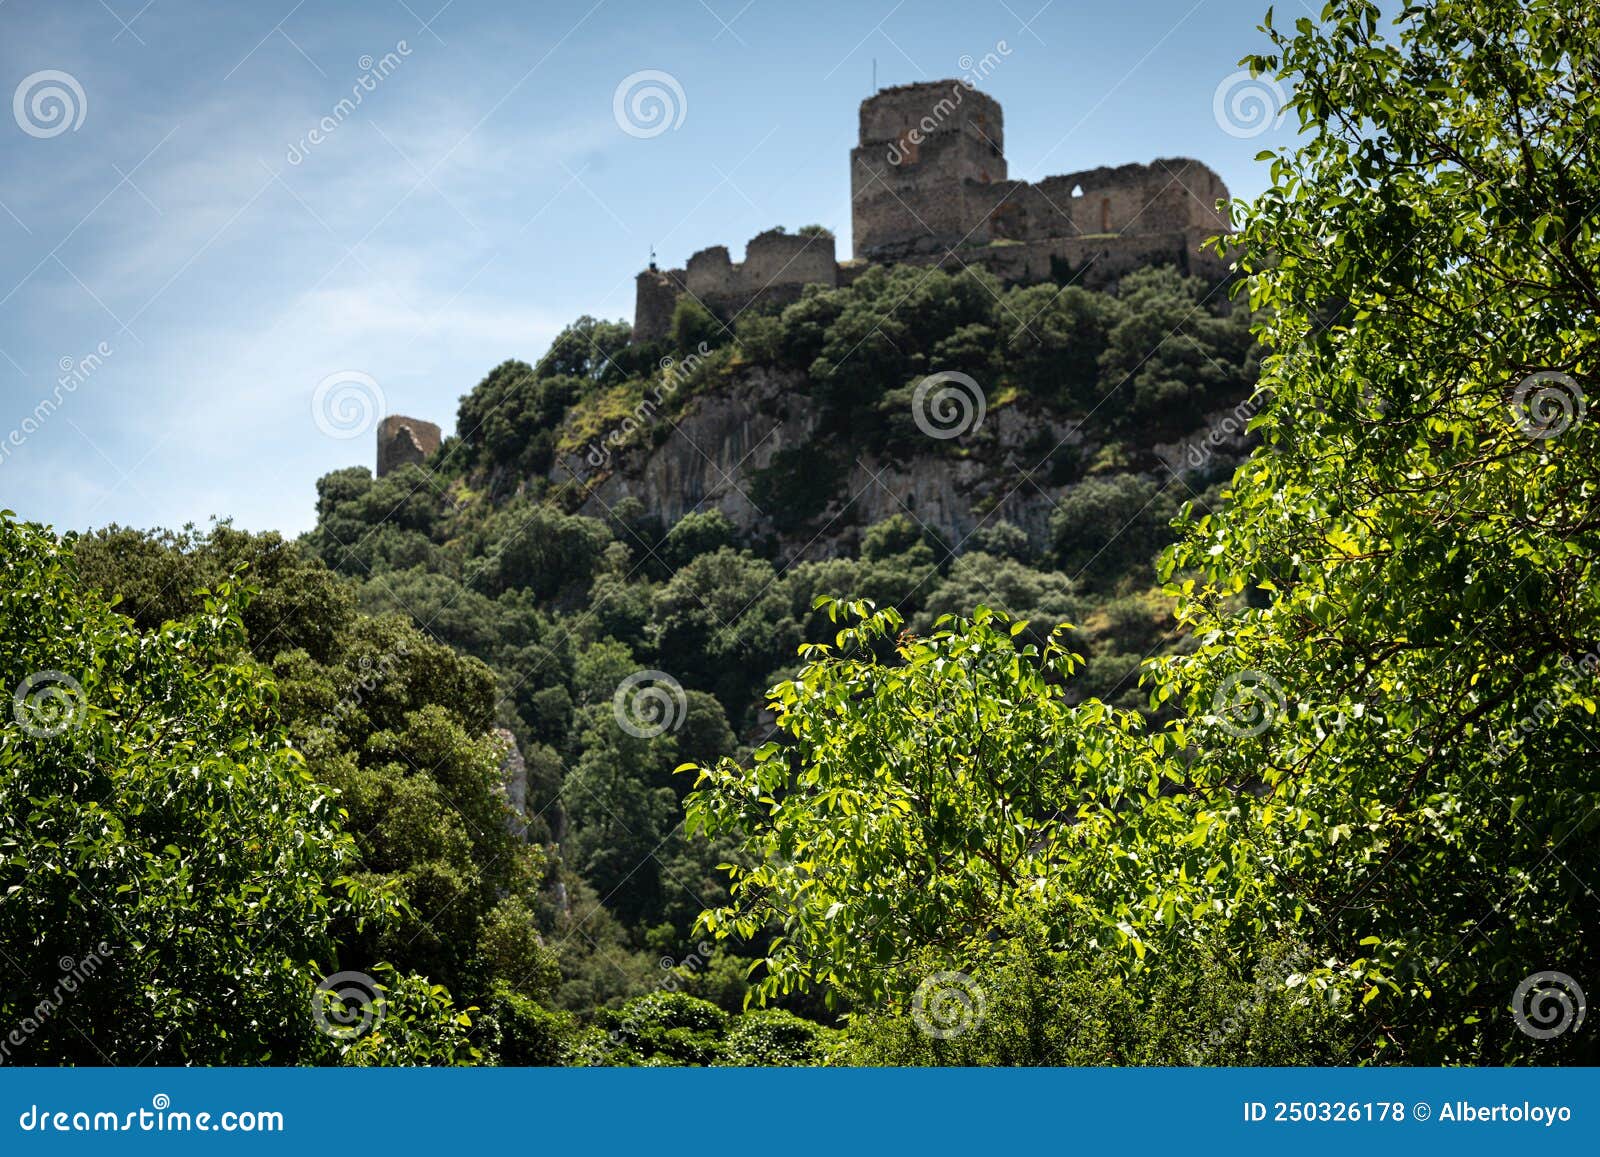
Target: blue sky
point(176, 241)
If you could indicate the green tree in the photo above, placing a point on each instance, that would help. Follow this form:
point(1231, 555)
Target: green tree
point(1045, 599)
point(1420, 525)
point(693, 325)
point(155, 821)
point(1103, 529)
point(697, 533)
point(397, 725)
point(1170, 356)
point(919, 801)
point(298, 603)
point(721, 620)
point(1031, 1001)
point(1054, 338)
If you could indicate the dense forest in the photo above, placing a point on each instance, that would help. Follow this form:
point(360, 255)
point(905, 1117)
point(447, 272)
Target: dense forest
point(1282, 758)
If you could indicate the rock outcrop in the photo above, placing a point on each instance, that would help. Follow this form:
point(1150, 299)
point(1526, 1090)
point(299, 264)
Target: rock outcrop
point(1014, 466)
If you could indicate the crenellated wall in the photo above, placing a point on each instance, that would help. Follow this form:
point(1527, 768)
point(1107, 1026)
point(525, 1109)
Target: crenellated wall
point(776, 267)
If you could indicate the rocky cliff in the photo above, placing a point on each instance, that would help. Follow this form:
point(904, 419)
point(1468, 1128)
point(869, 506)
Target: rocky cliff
point(723, 450)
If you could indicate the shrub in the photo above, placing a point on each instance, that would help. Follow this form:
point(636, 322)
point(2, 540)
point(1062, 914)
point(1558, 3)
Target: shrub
point(1031, 1003)
point(517, 1031)
point(665, 1028)
point(776, 1037)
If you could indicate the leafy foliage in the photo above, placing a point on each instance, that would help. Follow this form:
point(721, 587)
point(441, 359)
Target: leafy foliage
point(395, 726)
point(1029, 1002)
point(921, 801)
point(173, 877)
point(1423, 544)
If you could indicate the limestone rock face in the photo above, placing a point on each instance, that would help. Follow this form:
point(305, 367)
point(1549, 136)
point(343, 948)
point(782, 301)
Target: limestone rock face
point(709, 460)
point(1008, 469)
point(514, 782)
point(997, 478)
point(1221, 443)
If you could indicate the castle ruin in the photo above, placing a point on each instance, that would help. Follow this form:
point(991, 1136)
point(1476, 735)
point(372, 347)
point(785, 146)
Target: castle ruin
point(776, 267)
point(403, 441)
point(928, 186)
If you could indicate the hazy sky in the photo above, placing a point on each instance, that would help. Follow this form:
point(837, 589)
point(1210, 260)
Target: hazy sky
point(168, 228)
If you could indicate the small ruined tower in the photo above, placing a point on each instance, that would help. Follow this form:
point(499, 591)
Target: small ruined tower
point(403, 440)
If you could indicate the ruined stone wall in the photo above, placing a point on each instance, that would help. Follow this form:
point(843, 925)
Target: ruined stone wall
point(403, 440)
point(776, 268)
point(1094, 262)
point(711, 275)
point(1166, 196)
point(773, 258)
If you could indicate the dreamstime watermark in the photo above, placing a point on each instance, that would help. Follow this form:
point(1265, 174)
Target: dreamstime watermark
point(948, 404)
point(649, 102)
point(1584, 667)
point(347, 404)
point(1548, 1004)
point(1547, 404)
point(1221, 434)
point(947, 1004)
point(695, 962)
point(1246, 105)
point(159, 1118)
point(374, 672)
point(373, 73)
point(348, 1005)
point(74, 372)
point(1272, 976)
point(649, 703)
point(47, 703)
point(1248, 703)
point(905, 148)
point(972, 71)
point(75, 973)
point(673, 374)
point(49, 103)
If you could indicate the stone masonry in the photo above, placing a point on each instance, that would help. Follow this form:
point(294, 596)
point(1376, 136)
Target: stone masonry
point(402, 440)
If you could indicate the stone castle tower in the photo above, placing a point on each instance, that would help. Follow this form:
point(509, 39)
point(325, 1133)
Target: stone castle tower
point(929, 186)
point(919, 175)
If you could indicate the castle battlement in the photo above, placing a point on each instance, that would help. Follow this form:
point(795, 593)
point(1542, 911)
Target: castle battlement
point(777, 265)
point(929, 186)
